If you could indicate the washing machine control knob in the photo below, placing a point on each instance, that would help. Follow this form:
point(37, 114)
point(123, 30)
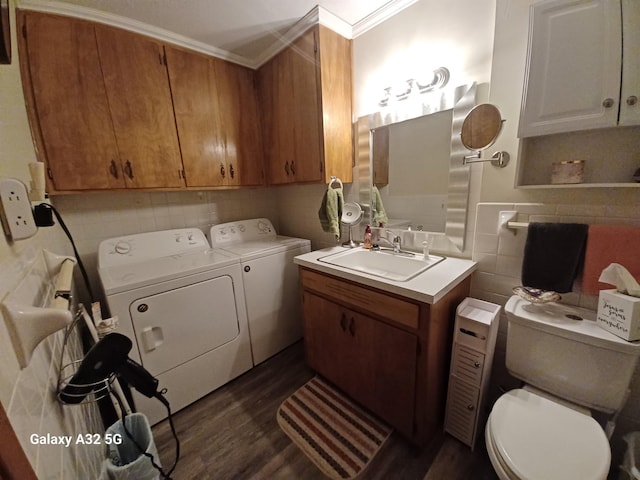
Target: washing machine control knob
point(122, 248)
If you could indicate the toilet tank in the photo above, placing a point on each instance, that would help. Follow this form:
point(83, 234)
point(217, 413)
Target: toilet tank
point(560, 349)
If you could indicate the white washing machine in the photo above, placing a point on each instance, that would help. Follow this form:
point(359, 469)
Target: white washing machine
point(182, 304)
point(270, 281)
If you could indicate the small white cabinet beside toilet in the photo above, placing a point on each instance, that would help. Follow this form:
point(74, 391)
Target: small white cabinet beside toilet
point(474, 340)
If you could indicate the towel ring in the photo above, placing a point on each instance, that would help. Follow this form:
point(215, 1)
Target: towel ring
point(335, 179)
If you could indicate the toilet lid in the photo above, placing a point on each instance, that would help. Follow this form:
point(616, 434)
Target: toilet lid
point(541, 439)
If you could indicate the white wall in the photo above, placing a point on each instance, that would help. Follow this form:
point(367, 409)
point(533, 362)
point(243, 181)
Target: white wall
point(428, 34)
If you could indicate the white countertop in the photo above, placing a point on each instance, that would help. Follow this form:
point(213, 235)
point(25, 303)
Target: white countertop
point(428, 287)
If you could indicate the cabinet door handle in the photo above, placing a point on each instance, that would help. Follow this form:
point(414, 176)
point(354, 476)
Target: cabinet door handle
point(293, 168)
point(232, 172)
point(476, 364)
point(128, 169)
point(470, 407)
point(608, 102)
point(632, 100)
point(352, 328)
point(343, 322)
point(286, 167)
point(113, 169)
point(222, 171)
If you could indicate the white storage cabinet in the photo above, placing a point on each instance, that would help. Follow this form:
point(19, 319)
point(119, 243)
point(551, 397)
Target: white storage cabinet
point(582, 69)
point(474, 340)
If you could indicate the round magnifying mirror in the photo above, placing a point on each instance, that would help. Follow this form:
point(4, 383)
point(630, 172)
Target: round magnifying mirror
point(481, 127)
point(351, 213)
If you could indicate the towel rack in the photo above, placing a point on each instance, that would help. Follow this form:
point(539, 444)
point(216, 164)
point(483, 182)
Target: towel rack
point(333, 180)
point(507, 221)
point(517, 225)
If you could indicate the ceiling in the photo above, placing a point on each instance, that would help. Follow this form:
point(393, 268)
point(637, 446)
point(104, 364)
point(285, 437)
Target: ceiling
point(244, 29)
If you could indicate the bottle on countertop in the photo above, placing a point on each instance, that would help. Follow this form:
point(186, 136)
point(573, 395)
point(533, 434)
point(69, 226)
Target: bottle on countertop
point(367, 237)
point(425, 250)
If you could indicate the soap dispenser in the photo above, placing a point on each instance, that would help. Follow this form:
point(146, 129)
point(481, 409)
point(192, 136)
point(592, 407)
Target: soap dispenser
point(367, 237)
point(425, 250)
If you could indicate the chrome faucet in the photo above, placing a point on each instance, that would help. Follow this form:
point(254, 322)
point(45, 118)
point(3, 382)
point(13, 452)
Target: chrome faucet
point(396, 243)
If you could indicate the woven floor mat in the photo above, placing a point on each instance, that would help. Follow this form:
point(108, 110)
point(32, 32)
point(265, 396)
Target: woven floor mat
point(335, 433)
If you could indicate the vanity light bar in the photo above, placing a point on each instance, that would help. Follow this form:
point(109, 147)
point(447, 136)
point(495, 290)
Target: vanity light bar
point(440, 78)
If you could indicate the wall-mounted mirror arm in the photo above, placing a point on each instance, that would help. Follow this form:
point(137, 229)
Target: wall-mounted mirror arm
point(498, 159)
point(480, 130)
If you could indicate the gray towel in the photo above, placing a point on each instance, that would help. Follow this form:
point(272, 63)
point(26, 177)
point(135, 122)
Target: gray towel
point(331, 211)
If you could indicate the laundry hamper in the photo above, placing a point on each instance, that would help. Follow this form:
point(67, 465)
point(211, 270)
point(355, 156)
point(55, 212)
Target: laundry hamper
point(125, 461)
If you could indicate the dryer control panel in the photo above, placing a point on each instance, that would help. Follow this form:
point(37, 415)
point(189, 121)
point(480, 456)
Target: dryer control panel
point(144, 246)
point(230, 233)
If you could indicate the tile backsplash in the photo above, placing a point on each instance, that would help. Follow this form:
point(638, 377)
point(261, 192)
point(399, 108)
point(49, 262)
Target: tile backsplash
point(28, 395)
point(499, 254)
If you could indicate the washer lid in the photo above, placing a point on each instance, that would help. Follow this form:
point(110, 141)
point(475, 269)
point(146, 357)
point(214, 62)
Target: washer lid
point(540, 439)
point(259, 248)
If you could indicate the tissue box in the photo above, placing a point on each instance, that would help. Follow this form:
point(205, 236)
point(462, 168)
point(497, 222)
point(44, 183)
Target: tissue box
point(619, 314)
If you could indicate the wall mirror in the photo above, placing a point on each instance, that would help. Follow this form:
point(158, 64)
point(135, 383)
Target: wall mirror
point(415, 168)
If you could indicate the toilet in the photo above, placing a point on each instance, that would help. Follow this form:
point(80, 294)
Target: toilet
point(570, 366)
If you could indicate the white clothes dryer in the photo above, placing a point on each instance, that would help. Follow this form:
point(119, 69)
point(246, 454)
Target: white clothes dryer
point(270, 281)
point(182, 305)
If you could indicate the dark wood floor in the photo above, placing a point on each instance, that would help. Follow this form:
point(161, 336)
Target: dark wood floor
point(232, 433)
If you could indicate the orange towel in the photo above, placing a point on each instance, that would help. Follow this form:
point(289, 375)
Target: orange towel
point(608, 244)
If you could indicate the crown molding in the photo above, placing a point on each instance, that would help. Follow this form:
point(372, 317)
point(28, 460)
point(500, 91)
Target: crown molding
point(382, 14)
point(84, 13)
point(317, 15)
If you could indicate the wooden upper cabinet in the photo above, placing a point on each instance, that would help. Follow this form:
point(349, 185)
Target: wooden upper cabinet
point(63, 86)
point(216, 114)
point(305, 95)
point(137, 86)
point(238, 103)
point(307, 114)
point(275, 86)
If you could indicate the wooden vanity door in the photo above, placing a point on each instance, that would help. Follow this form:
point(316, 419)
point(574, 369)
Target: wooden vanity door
point(328, 348)
point(371, 361)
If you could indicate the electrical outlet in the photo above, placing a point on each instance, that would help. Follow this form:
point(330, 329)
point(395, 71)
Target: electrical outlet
point(16, 213)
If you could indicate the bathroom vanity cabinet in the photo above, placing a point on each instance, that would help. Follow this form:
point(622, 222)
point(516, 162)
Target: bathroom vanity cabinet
point(387, 352)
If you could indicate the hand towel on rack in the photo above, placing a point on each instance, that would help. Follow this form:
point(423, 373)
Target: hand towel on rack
point(331, 211)
point(380, 215)
point(553, 252)
point(607, 244)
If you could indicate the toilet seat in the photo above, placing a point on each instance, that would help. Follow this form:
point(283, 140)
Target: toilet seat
point(534, 438)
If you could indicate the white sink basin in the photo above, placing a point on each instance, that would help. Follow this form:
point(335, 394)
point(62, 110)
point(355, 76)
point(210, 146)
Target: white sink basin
point(384, 263)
